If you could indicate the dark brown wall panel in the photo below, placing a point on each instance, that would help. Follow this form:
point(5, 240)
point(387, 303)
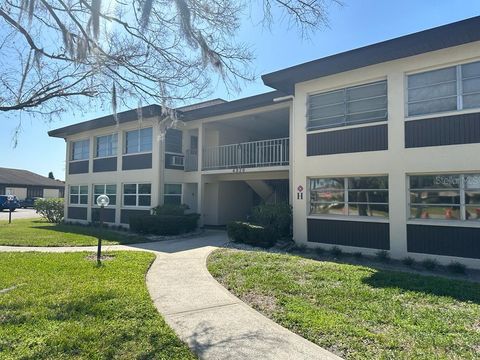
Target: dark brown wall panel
point(79, 213)
point(446, 130)
point(369, 138)
point(108, 215)
point(78, 167)
point(444, 240)
point(349, 233)
point(135, 162)
point(126, 213)
point(105, 164)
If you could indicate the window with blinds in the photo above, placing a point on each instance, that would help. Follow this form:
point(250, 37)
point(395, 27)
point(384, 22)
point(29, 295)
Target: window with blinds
point(448, 89)
point(348, 106)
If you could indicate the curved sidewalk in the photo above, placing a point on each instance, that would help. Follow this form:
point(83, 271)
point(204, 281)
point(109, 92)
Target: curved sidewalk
point(212, 321)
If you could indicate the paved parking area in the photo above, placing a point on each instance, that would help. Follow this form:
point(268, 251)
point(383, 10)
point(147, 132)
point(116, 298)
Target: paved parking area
point(19, 214)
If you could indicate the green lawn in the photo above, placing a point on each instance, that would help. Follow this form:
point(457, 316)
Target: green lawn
point(355, 311)
point(67, 308)
point(37, 232)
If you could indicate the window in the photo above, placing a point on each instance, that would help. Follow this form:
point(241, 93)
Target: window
point(109, 190)
point(448, 89)
point(173, 141)
point(80, 150)
point(173, 194)
point(138, 141)
point(348, 106)
point(353, 196)
point(78, 194)
point(445, 197)
point(106, 145)
point(137, 194)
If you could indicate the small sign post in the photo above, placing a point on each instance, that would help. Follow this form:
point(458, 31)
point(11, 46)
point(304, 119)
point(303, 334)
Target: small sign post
point(10, 199)
point(102, 201)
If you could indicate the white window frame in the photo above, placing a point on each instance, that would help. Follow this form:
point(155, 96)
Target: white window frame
point(110, 147)
point(72, 146)
point(139, 146)
point(77, 195)
point(462, 205)
point(345, 124)
point(95, 195)
point(346, 201)
point(137, 195)
point(459, 92)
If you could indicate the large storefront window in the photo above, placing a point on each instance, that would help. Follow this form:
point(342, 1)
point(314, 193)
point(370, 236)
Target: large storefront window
point(445, 197)
point(352, 196)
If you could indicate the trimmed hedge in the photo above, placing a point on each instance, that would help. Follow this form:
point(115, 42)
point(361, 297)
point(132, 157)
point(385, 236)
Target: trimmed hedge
point(164, 224)
point(256, 235)
point(277, 217)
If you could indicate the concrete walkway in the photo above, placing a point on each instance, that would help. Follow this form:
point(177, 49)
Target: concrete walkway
point(212, 321)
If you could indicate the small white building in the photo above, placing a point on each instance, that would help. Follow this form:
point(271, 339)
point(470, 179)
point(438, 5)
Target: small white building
point(375, 148)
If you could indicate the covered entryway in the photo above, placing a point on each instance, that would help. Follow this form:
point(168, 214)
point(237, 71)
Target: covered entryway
point(229, 197)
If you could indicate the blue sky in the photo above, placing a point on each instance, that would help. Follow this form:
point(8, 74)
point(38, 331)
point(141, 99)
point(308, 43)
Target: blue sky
point(357, 23)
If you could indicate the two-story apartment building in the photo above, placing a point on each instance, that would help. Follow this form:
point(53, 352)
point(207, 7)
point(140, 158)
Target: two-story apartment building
point(375, 148)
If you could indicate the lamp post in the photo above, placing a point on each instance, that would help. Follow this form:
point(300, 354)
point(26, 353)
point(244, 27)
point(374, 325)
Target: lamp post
point(102, 201)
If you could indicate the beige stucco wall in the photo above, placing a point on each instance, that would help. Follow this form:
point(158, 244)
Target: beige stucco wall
point(397, 162)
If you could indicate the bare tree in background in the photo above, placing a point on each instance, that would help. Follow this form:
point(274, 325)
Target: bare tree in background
point(54, 54)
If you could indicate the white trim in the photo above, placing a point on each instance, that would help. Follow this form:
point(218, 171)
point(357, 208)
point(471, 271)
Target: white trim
point(343, 127)
point(350, 218)
point(438, 222)
point(137, 153)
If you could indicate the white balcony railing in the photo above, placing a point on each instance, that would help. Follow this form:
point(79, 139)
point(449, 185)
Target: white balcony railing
point(273, 152)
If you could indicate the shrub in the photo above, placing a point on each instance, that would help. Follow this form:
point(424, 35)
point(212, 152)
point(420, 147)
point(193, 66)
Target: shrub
point(358, 254)
point(457, 268)
point(319, 250)
point(301, 248)
point(170, 209)
point(251, 234)
point(277, 217)
point(164, 224)
point(409, 261)
point(429, 264)
point(336, 251)
point(383, 255)
point(51, 210)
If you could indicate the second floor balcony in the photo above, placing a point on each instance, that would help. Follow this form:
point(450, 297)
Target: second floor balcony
point(253, 154)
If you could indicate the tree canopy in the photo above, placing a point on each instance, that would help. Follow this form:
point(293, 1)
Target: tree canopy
point(54, 53)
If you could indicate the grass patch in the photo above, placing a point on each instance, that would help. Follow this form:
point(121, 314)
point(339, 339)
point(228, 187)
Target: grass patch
point(64, 307)
point(357, 312)
point(37, 232)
